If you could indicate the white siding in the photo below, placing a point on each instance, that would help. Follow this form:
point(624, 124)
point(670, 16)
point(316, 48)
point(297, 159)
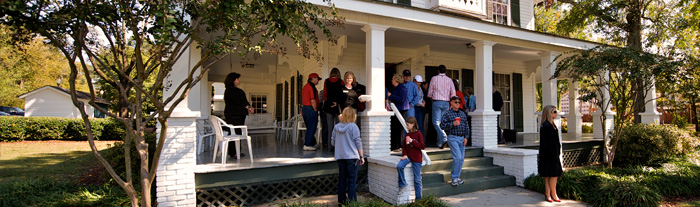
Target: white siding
point(529, 102)
point(527, 14)
point(52, 104)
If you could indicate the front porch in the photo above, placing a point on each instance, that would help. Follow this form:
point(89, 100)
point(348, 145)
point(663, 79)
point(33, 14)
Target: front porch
point(282, 170)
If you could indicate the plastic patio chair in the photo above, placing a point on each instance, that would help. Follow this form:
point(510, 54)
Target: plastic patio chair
point(223, 140)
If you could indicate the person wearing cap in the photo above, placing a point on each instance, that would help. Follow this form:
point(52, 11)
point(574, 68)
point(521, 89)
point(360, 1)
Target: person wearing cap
point(309, 110)
point(414, 95)
point(440, 90)
point(455, 125)
point(419, 109)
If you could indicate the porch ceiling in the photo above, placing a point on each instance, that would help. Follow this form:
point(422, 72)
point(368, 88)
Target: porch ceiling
point(394, 38)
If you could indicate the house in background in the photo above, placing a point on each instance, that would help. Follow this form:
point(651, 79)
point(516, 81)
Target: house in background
point(53, 101)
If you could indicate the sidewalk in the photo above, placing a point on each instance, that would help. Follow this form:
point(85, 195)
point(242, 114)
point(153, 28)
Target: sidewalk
point(508, 196)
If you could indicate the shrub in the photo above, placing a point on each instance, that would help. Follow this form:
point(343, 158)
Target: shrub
point(586, 129)
point(652, 144)
point(55, 128)
point(624, 193)
point(679, 121)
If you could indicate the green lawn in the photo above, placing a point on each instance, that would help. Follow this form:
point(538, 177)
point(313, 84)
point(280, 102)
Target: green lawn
point(68, 160)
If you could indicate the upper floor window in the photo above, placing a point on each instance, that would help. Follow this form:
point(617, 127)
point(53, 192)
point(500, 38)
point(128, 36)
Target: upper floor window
point(500, 11)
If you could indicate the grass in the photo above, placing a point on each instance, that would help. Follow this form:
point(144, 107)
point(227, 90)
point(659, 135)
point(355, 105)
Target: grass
point(53, 159)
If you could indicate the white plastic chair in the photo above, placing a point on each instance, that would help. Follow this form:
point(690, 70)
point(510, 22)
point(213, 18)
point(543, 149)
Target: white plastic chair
point(286, 128)
point(223, 140)
point(204, 130)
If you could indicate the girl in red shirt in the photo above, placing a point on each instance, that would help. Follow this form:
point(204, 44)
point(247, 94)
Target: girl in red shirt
point(412, 145)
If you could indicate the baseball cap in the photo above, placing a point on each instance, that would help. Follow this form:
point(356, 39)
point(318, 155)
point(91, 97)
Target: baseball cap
point(406, 72)
point(419, 78)
point(314, 75)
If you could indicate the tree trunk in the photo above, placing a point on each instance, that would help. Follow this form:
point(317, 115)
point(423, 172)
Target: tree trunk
point(634, 42)
point(694, 110)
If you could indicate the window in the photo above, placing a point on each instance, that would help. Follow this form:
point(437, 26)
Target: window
point(503, 86)
point(259, 103)
point(500, 11)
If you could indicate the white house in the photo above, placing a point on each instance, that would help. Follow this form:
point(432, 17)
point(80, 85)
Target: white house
point(483, 43)
point(53, 101)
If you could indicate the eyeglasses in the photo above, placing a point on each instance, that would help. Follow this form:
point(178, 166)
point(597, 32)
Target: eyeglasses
point(457, 102)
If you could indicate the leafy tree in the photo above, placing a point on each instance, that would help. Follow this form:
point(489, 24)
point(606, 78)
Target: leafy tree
point(26, 64)
point(144, 39)
point(615, 71)
point(628, 23)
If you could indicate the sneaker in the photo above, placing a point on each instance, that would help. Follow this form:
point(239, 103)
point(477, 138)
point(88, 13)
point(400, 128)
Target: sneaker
point(307, 148)
point(456, 182)
point(443, 145)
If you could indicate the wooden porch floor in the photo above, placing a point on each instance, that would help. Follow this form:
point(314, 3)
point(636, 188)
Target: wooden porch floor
point(269, 151)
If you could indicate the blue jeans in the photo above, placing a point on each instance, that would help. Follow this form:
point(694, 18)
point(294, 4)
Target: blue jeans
point(457, 148)
point(439, 108)
point(419, 118)
point(417, 180)
point(347, 168)
point(311, 121)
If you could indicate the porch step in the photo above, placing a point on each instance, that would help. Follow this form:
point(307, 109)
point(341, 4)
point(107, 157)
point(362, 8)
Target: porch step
point(437, 165)
point(478, 173)
point(443, 176)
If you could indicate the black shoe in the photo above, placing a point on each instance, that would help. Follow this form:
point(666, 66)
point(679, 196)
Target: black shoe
point(443, 145)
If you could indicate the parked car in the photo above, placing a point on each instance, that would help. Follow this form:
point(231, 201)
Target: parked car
point(4, 114)
point(14, 111)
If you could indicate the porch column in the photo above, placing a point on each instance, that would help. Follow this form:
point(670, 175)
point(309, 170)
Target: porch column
point(484, 117)
point(573, 119)
point(609, 114)
point(650, 115)
point(375, 119)
point(382, 175)
point(175, 174)
point(549, 86)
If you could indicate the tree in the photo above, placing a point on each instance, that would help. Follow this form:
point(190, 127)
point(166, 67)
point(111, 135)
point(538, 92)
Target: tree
point(126, 42)
point(26, 64)
point(615, 71)
point(627, 23)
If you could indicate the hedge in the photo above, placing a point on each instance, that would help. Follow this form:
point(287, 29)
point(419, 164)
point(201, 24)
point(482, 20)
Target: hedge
point(652, 144)
point(14, 128)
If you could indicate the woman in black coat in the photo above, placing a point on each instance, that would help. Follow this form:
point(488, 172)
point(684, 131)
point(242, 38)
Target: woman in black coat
point(237, 106)
point(550, 164)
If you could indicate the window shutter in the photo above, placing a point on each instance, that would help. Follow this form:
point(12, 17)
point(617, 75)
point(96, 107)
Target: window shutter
point(518, 101)
point(278, 102)
point(404, 2)
point(515, 12)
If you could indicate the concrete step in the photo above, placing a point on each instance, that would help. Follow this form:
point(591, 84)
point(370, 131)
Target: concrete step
point(445, 154)
point(470, 185)
point(442, 176)
point(438, 165)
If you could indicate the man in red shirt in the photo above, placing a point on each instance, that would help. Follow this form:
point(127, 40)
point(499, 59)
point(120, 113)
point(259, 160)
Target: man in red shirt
point(309, 110)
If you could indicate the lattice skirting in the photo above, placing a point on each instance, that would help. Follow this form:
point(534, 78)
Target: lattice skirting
point(258, 193)
point(575, 158)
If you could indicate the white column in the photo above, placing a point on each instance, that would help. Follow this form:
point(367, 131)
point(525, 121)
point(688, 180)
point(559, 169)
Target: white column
point(484, 117)
point(650, 115)
point(375, 119)
point(549, 86)
point(178, 160)
point(573, 119)
point(374, 65)
point(609, 114)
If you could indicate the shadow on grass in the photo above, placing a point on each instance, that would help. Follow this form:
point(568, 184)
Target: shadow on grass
point(66, 166)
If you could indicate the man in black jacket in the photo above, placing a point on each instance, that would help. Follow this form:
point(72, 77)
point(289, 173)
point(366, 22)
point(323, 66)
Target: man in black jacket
point(497, 105)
